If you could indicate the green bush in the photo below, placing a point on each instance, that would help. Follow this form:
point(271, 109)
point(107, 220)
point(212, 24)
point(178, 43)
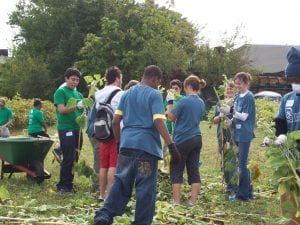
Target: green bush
point(265, 112)
point(21, 108)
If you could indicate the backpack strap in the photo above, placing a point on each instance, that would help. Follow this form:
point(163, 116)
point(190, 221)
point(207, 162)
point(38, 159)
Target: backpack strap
point(112, 95)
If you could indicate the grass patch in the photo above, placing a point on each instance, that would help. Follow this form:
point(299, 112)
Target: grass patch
point(38, 204)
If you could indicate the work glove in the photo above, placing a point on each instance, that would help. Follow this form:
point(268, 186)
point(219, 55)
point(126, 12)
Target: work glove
point(170, 97)
point(229, 101)
point(227, 122)
point(175, 154)
point(225, 109)
point(80, 105)
point(281, 139)
point(221, 115)
point(267, 142)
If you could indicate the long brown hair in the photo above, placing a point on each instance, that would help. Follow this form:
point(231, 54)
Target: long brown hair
point(195, 82)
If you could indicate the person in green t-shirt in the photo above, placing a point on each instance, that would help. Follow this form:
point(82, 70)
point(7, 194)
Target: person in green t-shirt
point(6, 117)
point(36, 124)
point(176, 85)
point(68, 129)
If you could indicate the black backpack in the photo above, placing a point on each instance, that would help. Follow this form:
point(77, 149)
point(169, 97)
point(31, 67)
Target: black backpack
point(103, 121)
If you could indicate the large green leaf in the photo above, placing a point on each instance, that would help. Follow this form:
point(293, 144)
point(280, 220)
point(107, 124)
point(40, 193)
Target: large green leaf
point(81, 121)
point(88, 102)
point(4, 193)
point(71, 102)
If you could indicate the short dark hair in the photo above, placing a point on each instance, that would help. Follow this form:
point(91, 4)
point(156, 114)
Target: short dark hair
point(176, 82)
point(152, 71)
point(37, 102)
point(72, 71)
point(112, 73)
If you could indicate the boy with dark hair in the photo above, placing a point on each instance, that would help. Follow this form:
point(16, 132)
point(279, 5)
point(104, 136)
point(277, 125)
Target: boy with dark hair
point(142, 111)
point(108, 150)
point(36, 124)
point(68, 129)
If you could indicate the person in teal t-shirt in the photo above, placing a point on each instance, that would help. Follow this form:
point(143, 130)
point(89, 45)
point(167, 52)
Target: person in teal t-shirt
point(187, 115)
point(36, 124)
point(6, 117)
point(68, 129)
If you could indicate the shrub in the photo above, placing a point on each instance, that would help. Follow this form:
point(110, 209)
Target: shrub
point(21, 108)
point(265, 112)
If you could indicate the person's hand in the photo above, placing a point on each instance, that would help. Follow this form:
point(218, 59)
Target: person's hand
point(228, 122)
point(170, 97)
point(267, 142)
point(175, 154)
point(281, 139)
point(221, 115)
point(80, 105)
point(225, 109)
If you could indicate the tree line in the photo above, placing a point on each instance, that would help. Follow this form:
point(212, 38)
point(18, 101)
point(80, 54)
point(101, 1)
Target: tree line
point(95, 34)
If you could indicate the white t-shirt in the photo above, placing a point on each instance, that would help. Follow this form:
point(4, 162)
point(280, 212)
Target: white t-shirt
point(103, 94)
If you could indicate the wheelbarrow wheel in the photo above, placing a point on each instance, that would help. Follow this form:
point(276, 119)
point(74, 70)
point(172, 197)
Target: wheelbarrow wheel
point(38, 168)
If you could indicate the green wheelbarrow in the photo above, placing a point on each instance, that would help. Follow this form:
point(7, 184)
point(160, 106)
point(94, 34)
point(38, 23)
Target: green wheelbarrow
point(25, 154)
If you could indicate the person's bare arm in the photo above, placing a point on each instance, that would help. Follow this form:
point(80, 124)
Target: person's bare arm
point(162, 129)
point(116, 127)
point(64, 110)
point(44, 126)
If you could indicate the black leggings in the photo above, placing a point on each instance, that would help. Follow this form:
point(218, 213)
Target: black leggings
point(190, 152)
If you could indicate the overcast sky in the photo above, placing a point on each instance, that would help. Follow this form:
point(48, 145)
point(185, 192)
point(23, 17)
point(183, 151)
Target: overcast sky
point(262, 21)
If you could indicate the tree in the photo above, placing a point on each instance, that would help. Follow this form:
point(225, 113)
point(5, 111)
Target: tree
point(135, 35)
point(25, 75)
point(54, 30)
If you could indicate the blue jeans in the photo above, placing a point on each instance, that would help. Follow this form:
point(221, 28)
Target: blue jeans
point(244, 191)
point(138, 169)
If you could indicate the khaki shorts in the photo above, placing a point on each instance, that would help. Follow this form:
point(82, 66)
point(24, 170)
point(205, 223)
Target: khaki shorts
point(4, 132)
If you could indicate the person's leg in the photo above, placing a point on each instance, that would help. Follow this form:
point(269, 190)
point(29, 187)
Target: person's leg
point(145, 186)
point(195, 190)
point(176, 173)
point(110, 178)
point(193, 147)
point(68, 143)
point(96, 152)
point(244, 188)
point(113, 157)
point(176, 190)
point(103, 168)
point(103, 182)
point(121, 189)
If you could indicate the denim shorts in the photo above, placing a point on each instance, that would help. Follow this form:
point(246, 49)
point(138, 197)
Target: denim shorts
point(190, 152)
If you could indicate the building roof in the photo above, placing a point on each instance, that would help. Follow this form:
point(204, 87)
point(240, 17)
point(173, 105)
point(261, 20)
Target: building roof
point(4, 52)
point(268, 58)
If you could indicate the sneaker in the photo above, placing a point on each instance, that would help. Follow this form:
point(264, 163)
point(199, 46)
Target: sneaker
point(103, 220)
point(57, 152)
point(66, 191)
point(232, 198)
point(100, 199)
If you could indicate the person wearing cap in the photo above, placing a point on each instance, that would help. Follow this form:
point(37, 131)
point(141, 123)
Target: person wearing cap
point(6, 117)
point(68, 129)
point(36, 125)
point(287, 119)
